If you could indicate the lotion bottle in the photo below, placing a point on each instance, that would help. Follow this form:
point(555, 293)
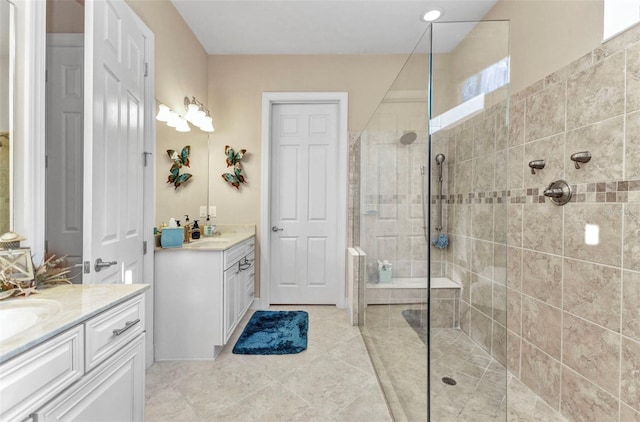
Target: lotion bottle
point(208, 228)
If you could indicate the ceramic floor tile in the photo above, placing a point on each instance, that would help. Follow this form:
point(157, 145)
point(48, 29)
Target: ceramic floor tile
point(165, 404)
point(334, 373)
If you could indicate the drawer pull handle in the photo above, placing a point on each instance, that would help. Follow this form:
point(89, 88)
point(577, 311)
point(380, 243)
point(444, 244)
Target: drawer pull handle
point(127, 325)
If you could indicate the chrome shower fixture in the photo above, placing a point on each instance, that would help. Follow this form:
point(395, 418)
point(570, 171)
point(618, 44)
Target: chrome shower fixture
point(559, 192)
point(408, 137)
point(580, 157)
point(536, 165)
point(440, 158)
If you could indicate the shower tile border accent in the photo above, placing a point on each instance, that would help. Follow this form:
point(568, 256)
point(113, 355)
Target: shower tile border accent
point(612, 191)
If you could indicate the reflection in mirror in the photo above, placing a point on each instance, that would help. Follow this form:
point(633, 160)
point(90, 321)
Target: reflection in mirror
point(6, 111)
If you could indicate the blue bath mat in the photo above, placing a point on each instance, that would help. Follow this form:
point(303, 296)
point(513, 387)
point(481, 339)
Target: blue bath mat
point(274, 333)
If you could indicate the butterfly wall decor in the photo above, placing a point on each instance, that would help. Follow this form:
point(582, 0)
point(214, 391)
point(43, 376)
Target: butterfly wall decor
point(233, 160)
point(179, 160)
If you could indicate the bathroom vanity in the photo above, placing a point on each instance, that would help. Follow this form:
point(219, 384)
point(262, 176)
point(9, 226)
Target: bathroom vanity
point(202, 291)
point(73, 352)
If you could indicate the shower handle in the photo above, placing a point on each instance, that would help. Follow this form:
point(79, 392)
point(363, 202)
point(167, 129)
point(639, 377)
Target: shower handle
point(559, 192)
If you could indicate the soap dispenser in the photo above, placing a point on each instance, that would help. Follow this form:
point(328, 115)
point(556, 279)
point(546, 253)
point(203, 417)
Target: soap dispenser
point(187, 229)
point(208, 228)
point(195, 230)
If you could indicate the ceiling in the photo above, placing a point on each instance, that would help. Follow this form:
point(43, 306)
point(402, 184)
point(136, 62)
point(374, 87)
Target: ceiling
point(323, 27)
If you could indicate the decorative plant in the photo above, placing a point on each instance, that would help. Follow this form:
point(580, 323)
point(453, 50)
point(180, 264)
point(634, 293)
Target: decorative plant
point(233, 160)
point(179, 160)
point(48, 274)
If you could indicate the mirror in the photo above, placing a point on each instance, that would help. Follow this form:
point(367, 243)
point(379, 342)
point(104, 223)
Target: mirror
point(7, 39)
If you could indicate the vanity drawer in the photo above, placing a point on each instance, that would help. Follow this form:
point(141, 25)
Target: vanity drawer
point(231, 256)
point(111, 330)
point(33, 378)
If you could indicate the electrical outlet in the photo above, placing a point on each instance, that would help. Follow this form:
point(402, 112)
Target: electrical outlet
point(212, 210)
point(203, 210)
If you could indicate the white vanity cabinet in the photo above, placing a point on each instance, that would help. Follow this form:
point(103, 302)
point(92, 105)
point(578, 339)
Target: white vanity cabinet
point(93, 371)
point(238, 287)
point(201, 295)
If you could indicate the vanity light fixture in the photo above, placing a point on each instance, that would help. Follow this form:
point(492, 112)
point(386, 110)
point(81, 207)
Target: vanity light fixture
point(198, 114)
point(432, 15)
point(173, 119)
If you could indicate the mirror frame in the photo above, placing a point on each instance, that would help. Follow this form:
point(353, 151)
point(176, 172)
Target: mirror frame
point(11, 101)
point(29, 125)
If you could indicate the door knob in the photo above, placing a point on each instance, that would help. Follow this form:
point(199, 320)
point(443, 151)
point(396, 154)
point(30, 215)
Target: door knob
point(276, 229)
point(100, 264)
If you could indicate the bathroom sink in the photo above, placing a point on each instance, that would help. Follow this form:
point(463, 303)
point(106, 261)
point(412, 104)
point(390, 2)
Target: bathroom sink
point(19, 315)
point(207, 243)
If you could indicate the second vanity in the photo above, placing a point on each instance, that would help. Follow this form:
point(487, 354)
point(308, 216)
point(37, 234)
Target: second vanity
point(202, 291)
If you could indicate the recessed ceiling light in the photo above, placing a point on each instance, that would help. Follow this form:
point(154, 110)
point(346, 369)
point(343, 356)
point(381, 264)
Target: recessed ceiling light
point(431, 15)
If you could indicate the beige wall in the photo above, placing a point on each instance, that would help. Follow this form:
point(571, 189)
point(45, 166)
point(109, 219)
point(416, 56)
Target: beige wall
point(65, 16)
point(547, 35)
point(236, 84)
point(544, 36)
point(180, 70)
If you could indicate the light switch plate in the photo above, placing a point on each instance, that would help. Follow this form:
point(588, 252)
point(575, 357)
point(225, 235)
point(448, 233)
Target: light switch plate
point(203, 210)
point(212, 210)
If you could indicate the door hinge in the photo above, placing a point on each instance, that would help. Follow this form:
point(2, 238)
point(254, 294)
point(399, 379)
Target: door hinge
point(145, 158)
point(146, 69)
point(46, 161)
point(144, 247)
point(46, 76)
point(46, 245)
point(87, 267)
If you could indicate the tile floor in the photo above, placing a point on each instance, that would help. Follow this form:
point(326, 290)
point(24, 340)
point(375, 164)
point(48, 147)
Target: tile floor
point(400, 358)
point(332, 380)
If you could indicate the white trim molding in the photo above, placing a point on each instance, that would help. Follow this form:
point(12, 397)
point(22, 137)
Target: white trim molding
point(269, 99)
point(28, 200)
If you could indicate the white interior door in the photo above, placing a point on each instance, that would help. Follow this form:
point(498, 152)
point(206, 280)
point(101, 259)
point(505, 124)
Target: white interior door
point(304, 182)
point(64, 147)
point(114, 133)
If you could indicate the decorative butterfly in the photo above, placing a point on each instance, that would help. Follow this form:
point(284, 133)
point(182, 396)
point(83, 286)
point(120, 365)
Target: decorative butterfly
point(181, 159)
point(233, 158)
point(176, 178)
point(236, 177)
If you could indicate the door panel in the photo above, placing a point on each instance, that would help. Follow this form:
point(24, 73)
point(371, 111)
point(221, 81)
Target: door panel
point(64, 147)
point(304, 182)
point(114, 129)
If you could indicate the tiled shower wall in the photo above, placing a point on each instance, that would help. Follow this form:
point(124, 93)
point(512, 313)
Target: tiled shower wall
point(573, 309)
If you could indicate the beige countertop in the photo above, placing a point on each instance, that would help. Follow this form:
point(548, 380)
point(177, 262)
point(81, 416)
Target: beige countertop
point(60, 308)
point(227, 236)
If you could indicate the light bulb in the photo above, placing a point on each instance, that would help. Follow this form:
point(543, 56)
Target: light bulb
point(432, 15)
point(182, 126)
point(164, 113)
point(192, 113)
point(173, 119)
point(207, 124)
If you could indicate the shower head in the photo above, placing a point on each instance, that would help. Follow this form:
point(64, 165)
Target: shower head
point(408, 138)
point(440, 158)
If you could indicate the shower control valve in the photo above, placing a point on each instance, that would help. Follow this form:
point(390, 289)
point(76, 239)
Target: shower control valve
point(559, 192)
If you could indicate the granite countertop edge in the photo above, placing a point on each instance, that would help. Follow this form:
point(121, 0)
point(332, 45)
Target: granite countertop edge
point(20, 343)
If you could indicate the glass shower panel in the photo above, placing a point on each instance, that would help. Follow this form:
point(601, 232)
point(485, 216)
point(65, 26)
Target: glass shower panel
point(391, 229)
point(469, 80)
